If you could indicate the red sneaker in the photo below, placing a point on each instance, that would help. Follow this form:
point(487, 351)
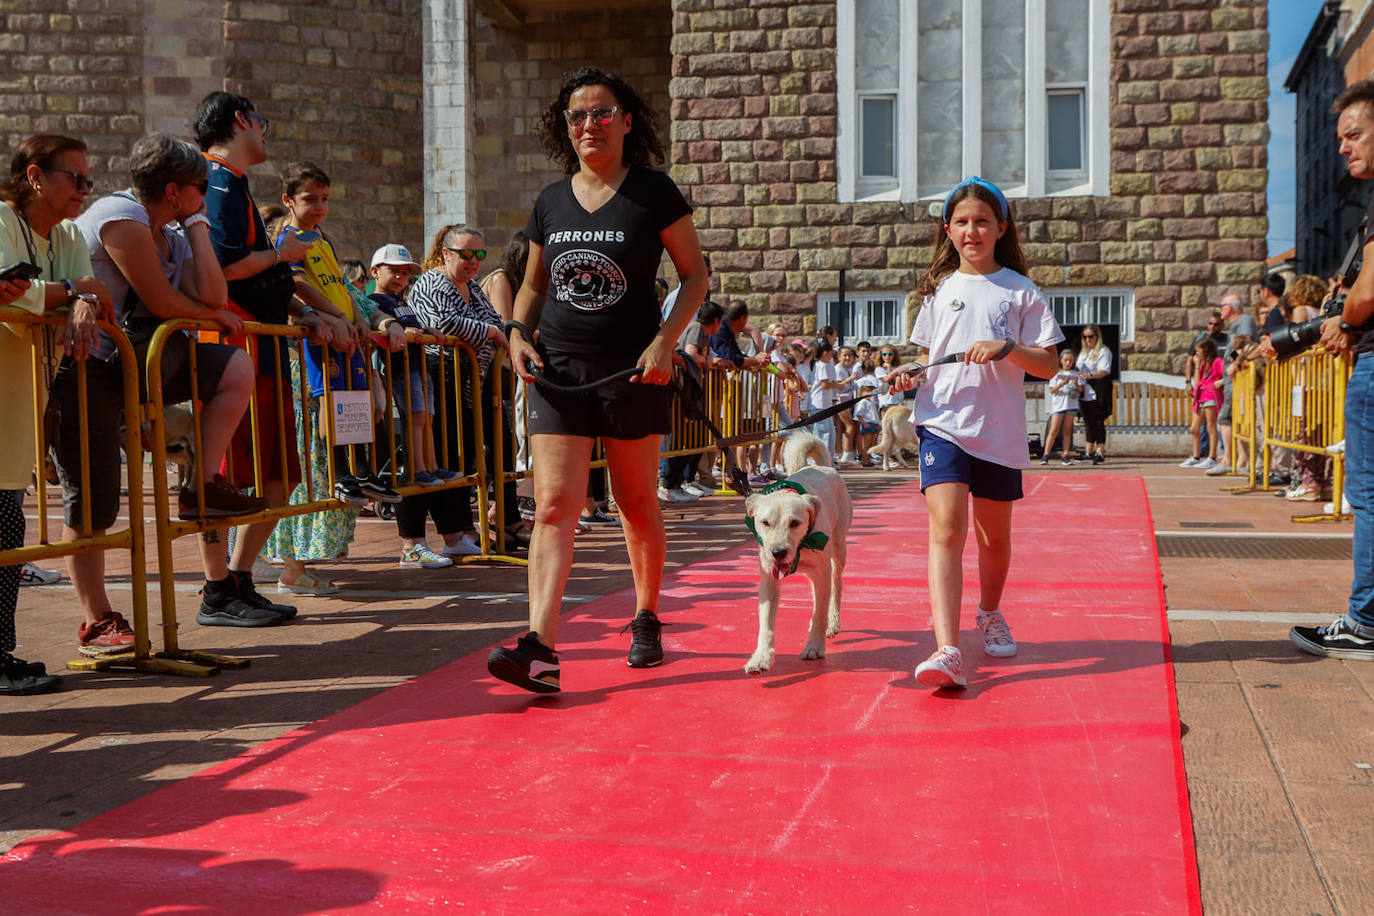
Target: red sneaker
point(109, 635)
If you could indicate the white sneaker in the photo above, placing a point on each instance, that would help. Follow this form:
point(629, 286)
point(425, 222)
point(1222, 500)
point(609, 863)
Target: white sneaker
point(1206, 464)
point(672, 496)
point(1190, 463)
point(1218, 470)
point(421, 557)
point(264, 572)
point(997, 640)
point(693, 487)
point(464, 548)
point(944, 668)
point(691, 495)
point(33, 574)
point(1330, 508)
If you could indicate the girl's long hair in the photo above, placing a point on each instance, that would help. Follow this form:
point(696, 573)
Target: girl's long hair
point(513, 259)
point(945, 261)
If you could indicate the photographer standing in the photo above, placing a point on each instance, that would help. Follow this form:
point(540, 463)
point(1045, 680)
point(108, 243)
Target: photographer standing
point(1351, 635)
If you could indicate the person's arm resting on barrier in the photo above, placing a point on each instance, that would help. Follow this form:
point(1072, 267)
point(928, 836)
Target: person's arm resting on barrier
point(133, 251)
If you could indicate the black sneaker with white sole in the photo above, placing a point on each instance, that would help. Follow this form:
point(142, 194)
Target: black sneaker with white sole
point(646, 646)
point(221, 606)
point(376, 488)
point(249, 593)
point(531, 665)
point(1335, 640)
point(347, 490)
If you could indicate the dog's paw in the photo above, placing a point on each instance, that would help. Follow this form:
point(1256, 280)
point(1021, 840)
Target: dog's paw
point(758, 664)
point(813, 651)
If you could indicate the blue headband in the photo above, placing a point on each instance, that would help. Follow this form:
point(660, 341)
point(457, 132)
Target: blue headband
point(982, 183)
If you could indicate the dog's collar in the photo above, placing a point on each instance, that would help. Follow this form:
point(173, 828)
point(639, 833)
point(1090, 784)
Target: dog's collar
point(814, 540)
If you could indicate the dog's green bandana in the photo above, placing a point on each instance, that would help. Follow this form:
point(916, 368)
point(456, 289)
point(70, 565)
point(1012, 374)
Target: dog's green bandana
point(814, 540)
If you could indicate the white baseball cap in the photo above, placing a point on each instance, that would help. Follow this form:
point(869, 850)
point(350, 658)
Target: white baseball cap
point(395, 256)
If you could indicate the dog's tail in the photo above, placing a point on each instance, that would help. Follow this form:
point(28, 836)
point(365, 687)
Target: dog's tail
point(801, 446)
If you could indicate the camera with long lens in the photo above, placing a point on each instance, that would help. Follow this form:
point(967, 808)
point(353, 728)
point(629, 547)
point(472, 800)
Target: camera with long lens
point(1291, 339)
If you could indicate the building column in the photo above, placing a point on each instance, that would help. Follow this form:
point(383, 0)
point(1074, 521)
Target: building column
point(447, 114)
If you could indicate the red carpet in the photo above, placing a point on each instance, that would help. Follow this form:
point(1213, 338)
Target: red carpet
point(1054, 784)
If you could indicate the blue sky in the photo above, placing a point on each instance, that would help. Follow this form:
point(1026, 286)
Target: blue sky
point(1289, 23)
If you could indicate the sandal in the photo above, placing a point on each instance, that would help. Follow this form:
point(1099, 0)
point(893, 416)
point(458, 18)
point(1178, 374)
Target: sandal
point(308, 584)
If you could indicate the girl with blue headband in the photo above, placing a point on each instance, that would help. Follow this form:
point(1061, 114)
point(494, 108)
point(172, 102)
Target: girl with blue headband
point(970, 415)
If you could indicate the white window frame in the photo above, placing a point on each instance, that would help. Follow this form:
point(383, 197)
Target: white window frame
point(1126, 326)
point(863, 303)
point(1095, 178)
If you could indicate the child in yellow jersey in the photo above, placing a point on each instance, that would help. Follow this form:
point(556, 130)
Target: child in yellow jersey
point(321, 285)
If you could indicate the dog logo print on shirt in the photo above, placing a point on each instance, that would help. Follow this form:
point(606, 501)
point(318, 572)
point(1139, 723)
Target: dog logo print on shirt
point(587, 280)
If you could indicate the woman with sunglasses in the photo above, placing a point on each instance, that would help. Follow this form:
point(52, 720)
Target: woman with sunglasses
point(447, 298)
point(887, 361)
point(587, 310)
point(1095, 365)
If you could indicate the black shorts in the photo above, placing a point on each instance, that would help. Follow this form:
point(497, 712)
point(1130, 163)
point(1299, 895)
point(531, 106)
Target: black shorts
point(620, 410)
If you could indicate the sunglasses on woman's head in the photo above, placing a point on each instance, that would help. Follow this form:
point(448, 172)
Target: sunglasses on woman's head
point(601, 114)
point(467, 254)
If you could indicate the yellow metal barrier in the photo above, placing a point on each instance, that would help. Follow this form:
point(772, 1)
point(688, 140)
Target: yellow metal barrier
point(131, 538)
point(1245, 424)
point(462, 362)
point(1304, 411)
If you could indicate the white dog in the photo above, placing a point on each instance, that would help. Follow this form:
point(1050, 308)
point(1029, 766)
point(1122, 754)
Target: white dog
point(179, 433)
point(801, 524)
point(898, 435)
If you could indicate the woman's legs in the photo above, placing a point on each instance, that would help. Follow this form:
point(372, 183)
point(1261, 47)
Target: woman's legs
point(1195, 430)
point(633, 465)
point(560, 485)
point(947, 504)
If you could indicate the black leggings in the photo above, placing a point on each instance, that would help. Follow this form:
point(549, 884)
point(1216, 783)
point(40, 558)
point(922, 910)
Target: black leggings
point(11, 537)
point(442, 505)
point(1094, 422)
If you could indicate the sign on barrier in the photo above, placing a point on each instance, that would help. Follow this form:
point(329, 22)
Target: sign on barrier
point(352, 417)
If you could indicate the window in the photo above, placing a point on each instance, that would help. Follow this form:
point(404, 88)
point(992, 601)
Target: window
point(874, 317)
point(878, 150)
point(932, 90)
point(1095, 306)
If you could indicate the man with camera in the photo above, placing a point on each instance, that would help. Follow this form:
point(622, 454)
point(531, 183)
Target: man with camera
point(1351, 635)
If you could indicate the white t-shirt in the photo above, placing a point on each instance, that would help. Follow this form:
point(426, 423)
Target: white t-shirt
point(885, 397)
point(1066, 398)
point(866, 411)
point(1102, 362)
point(821, 398)
point(980, 408)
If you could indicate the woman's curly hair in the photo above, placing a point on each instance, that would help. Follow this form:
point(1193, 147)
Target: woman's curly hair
point(643, 146)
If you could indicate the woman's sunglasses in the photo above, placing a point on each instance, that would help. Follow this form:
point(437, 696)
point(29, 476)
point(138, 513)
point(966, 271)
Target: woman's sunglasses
point(467, 254)
point(602, 114)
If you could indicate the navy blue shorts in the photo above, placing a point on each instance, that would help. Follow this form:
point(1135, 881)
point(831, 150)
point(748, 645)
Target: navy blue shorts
point(944, 462)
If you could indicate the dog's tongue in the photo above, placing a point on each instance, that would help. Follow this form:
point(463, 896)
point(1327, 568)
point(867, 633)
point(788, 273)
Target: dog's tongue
point(779, 572)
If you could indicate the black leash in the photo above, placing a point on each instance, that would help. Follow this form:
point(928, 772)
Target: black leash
point(698, 412)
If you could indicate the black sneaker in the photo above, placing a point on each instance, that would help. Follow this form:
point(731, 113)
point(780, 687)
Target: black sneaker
point(348, 490)
point(646, 649)
point(376, 489)
point(1098, 458)
point(248, 592)
point(20, 678)
point(221, 606)
point(531, 665)
point(1336, 640)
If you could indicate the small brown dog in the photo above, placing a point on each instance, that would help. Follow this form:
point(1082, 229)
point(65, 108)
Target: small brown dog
point(898, 434)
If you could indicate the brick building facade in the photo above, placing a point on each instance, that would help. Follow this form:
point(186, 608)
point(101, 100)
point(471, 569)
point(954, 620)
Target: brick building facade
point(340, 82)
point(422, 111)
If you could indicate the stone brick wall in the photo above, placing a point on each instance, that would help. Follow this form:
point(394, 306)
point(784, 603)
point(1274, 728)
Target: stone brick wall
point(754, 131)
point(517, 73)
point(340, 81)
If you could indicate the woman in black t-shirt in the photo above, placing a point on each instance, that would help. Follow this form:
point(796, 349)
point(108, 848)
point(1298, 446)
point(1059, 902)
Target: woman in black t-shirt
point(586, 310)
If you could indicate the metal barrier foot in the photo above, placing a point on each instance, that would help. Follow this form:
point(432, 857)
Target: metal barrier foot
point(207, 659)
point(502, 558)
